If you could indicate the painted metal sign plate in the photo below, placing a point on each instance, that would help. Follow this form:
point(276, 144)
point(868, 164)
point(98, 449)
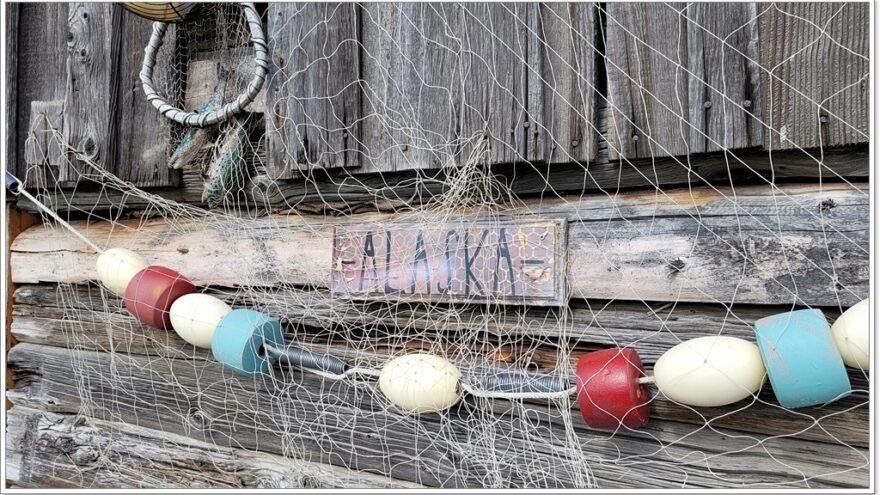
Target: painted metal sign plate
point(496, 261)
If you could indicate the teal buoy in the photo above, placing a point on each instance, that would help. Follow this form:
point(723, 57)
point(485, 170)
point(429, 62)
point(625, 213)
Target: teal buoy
point(239, 337)
point(802, 359)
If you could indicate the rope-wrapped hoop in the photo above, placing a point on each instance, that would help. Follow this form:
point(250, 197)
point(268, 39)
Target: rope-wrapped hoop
point(222, 114)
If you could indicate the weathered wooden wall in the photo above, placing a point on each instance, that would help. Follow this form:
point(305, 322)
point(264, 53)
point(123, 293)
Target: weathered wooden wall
point(624, 108)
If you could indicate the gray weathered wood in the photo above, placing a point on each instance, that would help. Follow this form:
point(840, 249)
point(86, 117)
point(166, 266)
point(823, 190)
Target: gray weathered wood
point(378, 442)
point(566, 131)
point(44, 148)
point(411, 102)
point(313, 91)
point(647, 94)
point(142, 134)
point(12, 15)
point(91, 97)
point(797, 244)
point(531, 337)
point(724, 85)
point(496, 77)
point(40, 60)
point(816, 86)
point(682, 78)
point(48, 450)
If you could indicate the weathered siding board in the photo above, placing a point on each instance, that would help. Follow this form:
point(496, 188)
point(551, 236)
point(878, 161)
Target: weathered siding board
point(43, 147)
point(817, 90)
point(682, 79)
point(142, 134)
point(90, 100)
point(412, 85)
point(567, 51)
point(496, 76)
point(724, 84)
point(43, 313)
point(407, 453)
point(48, 450)
point(11, 12)
point(40, 61)
point(768, 247)
point(314, 92)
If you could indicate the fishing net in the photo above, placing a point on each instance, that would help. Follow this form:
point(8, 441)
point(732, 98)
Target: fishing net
point(448, 111)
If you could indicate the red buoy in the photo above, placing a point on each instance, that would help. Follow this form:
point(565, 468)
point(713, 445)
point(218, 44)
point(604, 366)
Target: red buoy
point(151, 292)
point(608, 389)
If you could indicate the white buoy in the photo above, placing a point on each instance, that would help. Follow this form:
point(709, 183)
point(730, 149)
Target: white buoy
point(195, 317)
point(116, 268)
point(420, 383)
point(710, 371)
point(851, 333)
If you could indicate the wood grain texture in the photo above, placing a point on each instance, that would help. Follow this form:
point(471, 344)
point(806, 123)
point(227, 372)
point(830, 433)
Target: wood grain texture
point(743, 458)
point(44, 147)
point(566, 54)
point(16, 221)
point(682, 79)
point(40, 59)
point(524, 337)
point(142, 134)
point(816, 87)
point(91, 99)
point(48, 450)
point(411, 101)
point(797, 244)
point(313, 94)
point(12, 14)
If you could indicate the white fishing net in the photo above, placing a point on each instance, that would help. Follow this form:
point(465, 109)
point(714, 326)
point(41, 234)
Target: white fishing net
point(659, 250)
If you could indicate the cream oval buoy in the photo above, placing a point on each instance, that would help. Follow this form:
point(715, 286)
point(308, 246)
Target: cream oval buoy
point(195, 317)
point(851, 333)
point(420, 383)
point(116, 268)
point(710, 371)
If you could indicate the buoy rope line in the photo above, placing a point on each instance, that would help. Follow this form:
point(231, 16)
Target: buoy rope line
point(214, 116)
point(801, 353)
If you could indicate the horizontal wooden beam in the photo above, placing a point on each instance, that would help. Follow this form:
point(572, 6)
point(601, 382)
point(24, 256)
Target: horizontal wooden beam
point(50, 450)
point(532, 339)
point(792, 244)
point(294, 412)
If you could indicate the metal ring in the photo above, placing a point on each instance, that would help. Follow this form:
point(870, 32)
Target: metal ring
point(193, 119)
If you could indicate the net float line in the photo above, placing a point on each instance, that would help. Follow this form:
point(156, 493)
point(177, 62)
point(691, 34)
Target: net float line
point(611, 385)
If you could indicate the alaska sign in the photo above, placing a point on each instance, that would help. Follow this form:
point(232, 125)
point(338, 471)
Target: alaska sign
point(496, 261)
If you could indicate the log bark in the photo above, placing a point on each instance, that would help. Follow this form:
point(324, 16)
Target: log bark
point(801, 244)
point(82, 318)
point(49, 450)
point(283, 416)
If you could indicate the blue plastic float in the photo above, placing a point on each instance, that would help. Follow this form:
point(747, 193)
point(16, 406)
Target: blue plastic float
point(239, 338)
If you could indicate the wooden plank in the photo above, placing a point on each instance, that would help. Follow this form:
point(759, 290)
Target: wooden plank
point(567, 39)
point(48, 450)
point(724, 85)
point(412, 85)
point(141, 132)
point(44, 149)
point(647, 93)
point(432, 445)
point(799, 244)
point(91, 95)
point(511, 337)
point(313, 93)
point(495, 107)
point(201, 79)
point(682, 79)
point(10, 104)
point(40, 61)
point(391, 191)
point(816, 82)
point(16, 222)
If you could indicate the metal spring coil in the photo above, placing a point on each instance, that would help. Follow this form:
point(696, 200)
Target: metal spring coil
point(302, 358)
point(521, 383)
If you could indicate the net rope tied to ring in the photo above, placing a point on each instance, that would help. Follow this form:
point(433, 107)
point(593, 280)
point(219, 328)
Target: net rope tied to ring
point(224, 113)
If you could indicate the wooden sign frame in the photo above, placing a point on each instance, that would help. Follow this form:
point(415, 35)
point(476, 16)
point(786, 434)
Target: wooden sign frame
point(497, 261)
